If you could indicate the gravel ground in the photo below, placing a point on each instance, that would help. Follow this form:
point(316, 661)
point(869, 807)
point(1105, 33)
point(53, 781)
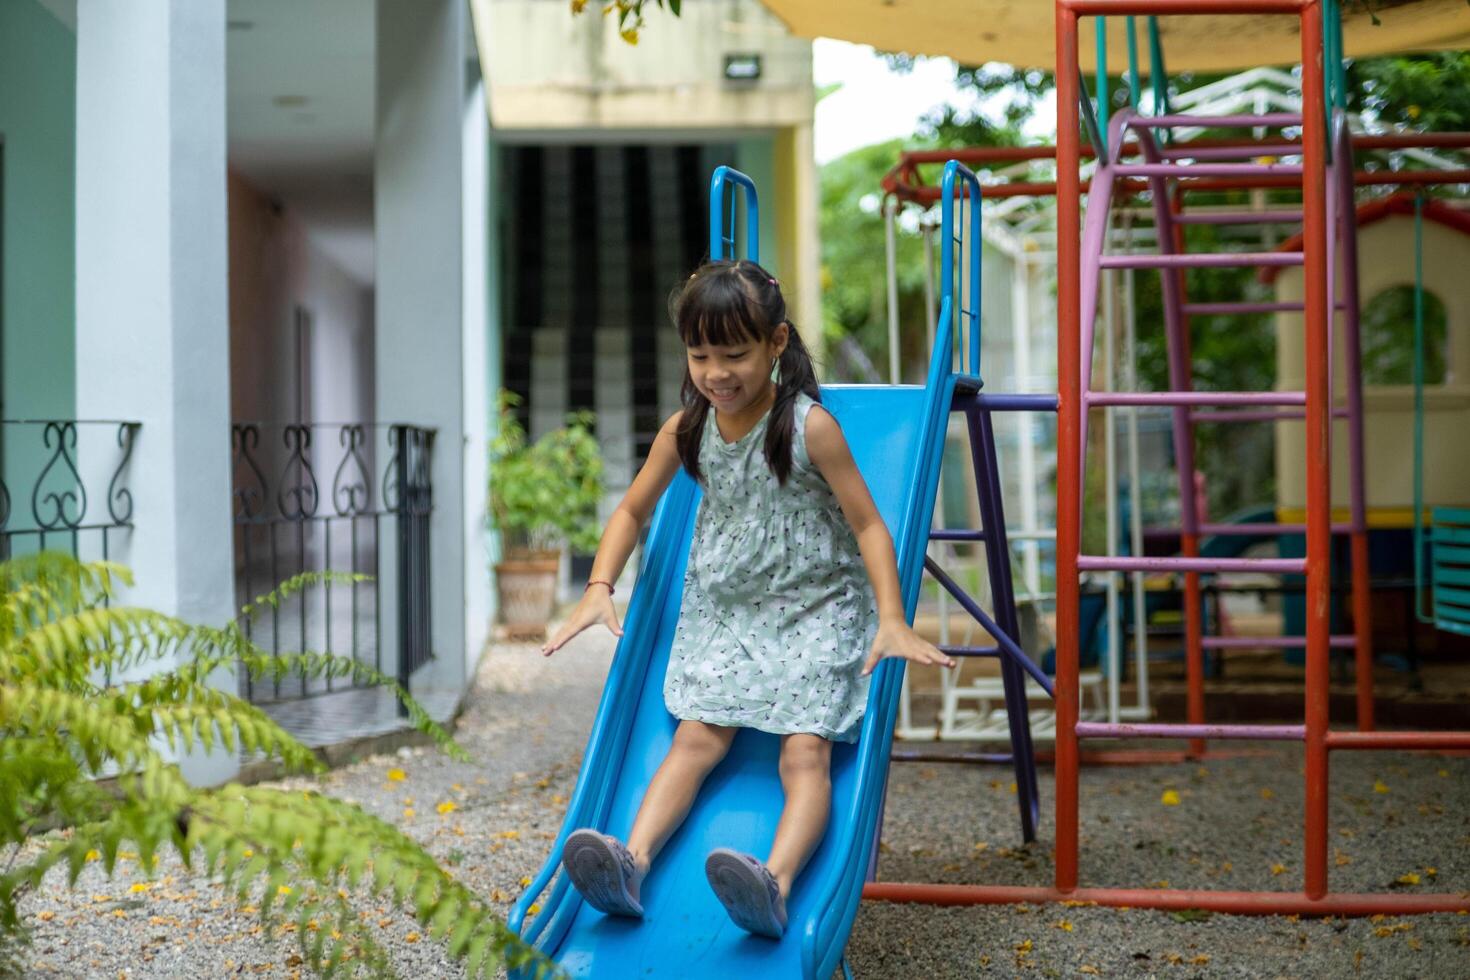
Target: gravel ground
point(1235, 826)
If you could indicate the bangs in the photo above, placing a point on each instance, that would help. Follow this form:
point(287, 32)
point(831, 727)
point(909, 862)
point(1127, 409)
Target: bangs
point(716, 312)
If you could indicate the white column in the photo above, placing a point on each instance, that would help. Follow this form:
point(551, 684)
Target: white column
point(419, 217)
point(152, 332)
point(479, 338)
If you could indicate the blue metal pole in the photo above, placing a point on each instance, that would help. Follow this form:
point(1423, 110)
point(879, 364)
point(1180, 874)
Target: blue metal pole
point(721, 240)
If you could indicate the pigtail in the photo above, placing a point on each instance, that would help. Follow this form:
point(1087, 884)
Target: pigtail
point(797, 376)
point(690, 433)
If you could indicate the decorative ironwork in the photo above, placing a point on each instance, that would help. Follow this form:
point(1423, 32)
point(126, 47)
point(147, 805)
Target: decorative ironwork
point(352, 492)
point(120, 498)
point(285, 527)
point(297, 497)
point(55, 460)
point(249, 493)
point(66, 485)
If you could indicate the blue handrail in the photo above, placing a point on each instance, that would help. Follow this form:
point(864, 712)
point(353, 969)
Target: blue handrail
point(941, 364)
point(721, 243)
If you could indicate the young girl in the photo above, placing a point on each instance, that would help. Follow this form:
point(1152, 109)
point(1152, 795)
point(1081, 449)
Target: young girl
point(779, 628)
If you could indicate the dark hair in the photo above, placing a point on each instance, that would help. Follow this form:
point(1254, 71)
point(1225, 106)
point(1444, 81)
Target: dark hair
point(726, 303)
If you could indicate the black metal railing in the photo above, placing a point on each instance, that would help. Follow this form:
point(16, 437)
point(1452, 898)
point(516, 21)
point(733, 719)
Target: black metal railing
point(63, 485)
point(312, 497)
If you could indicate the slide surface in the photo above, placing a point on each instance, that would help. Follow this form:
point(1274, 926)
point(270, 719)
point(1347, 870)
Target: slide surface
point(895, 434)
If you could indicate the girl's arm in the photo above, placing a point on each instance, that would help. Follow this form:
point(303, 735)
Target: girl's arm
point(620, 537)
point(828, 450)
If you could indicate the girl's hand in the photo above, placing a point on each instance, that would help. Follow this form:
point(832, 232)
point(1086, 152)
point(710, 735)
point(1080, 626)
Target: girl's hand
point(896, 639)
point(596, 606)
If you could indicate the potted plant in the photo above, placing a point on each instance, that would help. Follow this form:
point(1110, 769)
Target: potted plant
point(543, 497)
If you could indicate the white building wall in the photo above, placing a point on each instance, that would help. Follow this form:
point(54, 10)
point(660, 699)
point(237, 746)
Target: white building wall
point(419, 207)
point(152, 293)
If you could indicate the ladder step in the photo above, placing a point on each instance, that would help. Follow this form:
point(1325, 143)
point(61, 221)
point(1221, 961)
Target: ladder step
point(1240, 218)
point(1267, 415)
point(945, 534)
point(1197, 260)
point(1220, 122)
point(969, 651)
point(1246, 151)
point(1229, 309)
point(1275, 642)
point(1187, 170)
point(1268, 733)
point(1269, 566)
point(1207, 398)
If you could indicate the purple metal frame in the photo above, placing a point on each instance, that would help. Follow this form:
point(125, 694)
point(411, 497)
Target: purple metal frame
point(1166, 178)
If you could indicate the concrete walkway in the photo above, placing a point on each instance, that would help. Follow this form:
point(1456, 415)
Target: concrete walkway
point(1236, 826)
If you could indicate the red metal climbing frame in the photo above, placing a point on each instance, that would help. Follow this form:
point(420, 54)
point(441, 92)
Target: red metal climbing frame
point(1073, 333)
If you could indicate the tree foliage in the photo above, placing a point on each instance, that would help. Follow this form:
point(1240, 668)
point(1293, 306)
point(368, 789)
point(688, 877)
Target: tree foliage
point(65, 724)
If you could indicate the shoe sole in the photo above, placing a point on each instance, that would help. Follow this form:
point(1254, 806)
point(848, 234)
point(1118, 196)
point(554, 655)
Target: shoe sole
point(595, 871)
point(742, 889)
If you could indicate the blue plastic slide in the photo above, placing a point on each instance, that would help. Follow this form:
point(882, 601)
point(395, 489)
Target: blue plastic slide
point(896, 435)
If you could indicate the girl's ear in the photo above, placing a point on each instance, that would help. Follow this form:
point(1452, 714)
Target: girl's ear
point(780, 337)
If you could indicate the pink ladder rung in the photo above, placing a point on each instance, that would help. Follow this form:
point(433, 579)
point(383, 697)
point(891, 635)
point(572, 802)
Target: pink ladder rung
point(1124, 729)
point(1197, 260)
point(1338, 642)
point(1206, 398)
point(1231, 309)
point(1240, 218)
point(1187, 152)
point(1219, 122)
point(1174, 563)
point(1184, 171)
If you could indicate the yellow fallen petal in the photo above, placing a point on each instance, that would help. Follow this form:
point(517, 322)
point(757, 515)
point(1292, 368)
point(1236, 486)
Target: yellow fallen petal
point(526, 881)
point(1277, 869)
point(1170, 798)
point(284, 890)
point(93, 855)
point(408, 813)
point(141, 886)
point(1064, 925)
point(396, 775)
point(534, 910)
point(1408, 879)
point(446, 807)
point(1379, 786)
point(412, 937)
point(1267, 793)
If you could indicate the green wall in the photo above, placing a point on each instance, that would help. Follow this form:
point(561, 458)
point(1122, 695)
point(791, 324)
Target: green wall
point(38, 59)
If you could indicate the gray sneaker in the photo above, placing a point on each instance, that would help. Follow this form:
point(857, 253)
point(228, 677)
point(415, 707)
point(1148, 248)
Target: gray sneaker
point(748, 891)
point(602, 870)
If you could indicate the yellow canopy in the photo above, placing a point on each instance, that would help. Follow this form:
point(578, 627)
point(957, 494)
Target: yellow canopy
point(1020, 32)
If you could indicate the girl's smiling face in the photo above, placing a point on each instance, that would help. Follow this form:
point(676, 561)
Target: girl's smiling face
point(736, 376)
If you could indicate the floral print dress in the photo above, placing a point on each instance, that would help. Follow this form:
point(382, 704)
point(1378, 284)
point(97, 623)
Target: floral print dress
point(778, 614)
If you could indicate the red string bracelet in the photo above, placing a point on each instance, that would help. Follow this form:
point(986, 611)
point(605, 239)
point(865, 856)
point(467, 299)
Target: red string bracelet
point(610, 590)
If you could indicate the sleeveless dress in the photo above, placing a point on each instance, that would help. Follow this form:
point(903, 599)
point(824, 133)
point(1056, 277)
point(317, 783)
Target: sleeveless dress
point(778, 614)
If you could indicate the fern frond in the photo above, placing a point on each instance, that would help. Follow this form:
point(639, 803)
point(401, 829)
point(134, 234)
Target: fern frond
point(189, 713)
point(69, 649)
point(340, 844)
point(296, 584)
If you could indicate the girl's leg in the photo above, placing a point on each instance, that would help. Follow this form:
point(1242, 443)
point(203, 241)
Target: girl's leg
point(806, 777)
point(697, 749)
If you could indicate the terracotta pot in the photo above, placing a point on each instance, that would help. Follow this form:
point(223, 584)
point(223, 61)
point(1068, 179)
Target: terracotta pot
point(527, 585)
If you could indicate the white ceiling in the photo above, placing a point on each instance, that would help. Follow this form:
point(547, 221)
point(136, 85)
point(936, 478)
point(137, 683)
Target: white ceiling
point(316, 155)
